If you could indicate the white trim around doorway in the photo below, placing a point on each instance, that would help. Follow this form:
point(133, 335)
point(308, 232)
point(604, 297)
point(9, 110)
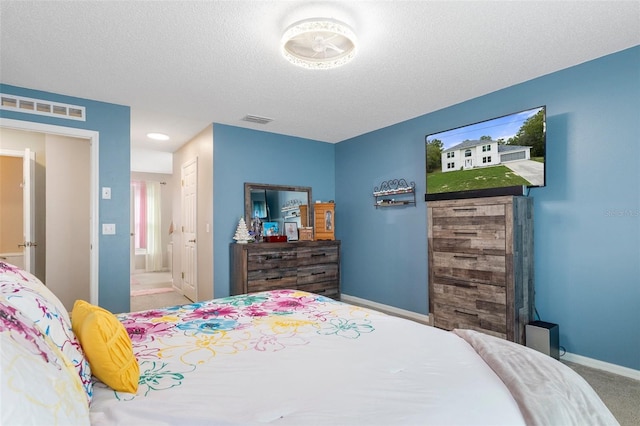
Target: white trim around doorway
point(94, 138)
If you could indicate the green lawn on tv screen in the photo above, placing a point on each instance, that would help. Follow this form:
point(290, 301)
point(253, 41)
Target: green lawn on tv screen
point(466, 180)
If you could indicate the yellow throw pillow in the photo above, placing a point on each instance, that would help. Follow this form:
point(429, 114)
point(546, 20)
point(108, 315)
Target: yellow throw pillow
point(106, 345)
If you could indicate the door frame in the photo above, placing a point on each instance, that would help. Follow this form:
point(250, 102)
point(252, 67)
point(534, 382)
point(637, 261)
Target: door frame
point(94, 139)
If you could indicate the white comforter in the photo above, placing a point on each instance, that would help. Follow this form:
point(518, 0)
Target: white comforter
point(295, 358)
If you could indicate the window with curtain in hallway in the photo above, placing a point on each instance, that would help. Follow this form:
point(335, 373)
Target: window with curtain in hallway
point(147, 222)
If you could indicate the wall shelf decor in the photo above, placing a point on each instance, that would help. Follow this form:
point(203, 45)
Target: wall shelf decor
point(395, 192)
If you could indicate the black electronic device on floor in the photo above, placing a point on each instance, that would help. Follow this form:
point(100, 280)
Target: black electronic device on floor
point(543, 337)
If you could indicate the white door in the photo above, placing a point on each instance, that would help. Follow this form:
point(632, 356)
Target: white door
point(189, 228)
point(28, 204)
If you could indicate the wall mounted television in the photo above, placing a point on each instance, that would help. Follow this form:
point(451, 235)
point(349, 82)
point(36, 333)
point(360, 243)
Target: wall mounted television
point(500, 156)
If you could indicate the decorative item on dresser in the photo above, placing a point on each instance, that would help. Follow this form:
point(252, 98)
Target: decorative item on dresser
point(306, 233)
point(481, 264)
point(312, 266)
point(324, 214)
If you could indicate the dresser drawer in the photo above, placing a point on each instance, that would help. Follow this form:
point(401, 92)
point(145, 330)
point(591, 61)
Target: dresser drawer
point(269, 279)
point(450, 317)
point(468, 211)
point(470, 296)
point(317, 255)
point(325, 288)
point(486, 269)
point(271, 259)
point(472, 222)
point(470, 241)
point(317, 273)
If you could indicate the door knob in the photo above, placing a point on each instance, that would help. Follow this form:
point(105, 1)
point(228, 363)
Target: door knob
point(192, 241)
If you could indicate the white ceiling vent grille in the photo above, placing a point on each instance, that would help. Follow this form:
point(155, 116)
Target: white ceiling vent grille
point(41, 107)
point(257, 119)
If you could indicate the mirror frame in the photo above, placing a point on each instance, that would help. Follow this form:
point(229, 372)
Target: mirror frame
point(248, 187)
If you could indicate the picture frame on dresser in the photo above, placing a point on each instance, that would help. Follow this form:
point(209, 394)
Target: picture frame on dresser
point(270, 228)
point(291, 231)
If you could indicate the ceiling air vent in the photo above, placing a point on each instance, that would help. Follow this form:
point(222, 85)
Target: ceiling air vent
point(257, 119)
point(41, 107)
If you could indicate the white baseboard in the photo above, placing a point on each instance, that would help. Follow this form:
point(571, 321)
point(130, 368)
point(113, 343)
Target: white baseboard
point(424, 319)
point(421, 318)
point(601, 365)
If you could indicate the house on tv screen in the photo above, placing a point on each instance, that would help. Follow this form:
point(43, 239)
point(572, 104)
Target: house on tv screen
point(481, 153)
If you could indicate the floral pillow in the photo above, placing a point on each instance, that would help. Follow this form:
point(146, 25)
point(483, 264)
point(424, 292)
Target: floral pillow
point(28, 295)
point(38, 385)
point(29, 280)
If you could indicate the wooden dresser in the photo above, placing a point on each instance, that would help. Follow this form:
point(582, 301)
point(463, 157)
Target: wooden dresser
point(481, 265)
point(312, 266)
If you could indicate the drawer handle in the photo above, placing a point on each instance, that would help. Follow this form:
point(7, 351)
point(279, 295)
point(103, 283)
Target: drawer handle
point(467, 209)
point(465, 285)
point(318, 254)
point(466, 313)
point(318, 273)
point(465, 233)
point(465, 257)
point(273, 257)
point(273, 278)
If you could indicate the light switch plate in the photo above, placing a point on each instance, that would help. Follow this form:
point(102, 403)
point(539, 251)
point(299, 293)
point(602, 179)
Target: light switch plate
point(108, 229)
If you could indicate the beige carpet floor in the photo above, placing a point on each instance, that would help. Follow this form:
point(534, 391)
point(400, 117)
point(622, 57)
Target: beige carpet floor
point(619, 393)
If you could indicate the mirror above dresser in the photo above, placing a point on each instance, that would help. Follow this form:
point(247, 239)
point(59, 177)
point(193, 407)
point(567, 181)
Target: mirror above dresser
point(304, 264)
point(277, 204)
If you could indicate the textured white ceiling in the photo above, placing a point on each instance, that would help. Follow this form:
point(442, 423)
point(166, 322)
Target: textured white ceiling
point(182, 65)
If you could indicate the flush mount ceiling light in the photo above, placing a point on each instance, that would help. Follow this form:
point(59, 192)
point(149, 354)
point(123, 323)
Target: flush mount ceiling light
point(319, 43)
point(158, 136)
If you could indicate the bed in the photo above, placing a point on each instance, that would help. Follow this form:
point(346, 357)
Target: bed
point(281, 357)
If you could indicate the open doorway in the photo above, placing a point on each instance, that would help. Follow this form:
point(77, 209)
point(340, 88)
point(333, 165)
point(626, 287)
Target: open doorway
point(63, 206)
point(151, 242)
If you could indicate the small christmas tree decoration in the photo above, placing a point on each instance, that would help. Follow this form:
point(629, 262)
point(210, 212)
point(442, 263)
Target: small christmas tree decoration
point(242, 233)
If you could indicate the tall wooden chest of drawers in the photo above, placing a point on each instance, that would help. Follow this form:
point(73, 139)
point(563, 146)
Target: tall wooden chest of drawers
point(481, 265)
point(312, 266)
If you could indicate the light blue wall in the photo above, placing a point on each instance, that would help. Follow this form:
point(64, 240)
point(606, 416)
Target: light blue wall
point(242, 155)
point(587, 219)
point(384, 256)
point(113, 123)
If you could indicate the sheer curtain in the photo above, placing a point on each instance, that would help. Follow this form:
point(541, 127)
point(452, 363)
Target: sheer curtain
point(139, 190)
point(154, 233)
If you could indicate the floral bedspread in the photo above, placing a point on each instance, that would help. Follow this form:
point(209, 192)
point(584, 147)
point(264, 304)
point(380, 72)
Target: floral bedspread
point(293, 357)
point(171, 344)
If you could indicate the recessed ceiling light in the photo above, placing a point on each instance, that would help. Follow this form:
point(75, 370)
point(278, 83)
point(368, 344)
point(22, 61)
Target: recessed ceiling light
point(158, 136)
point(319, 43)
